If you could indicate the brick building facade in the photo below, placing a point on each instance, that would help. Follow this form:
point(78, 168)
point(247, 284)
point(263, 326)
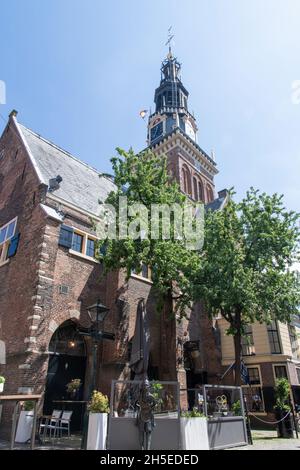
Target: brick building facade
point(47, 196)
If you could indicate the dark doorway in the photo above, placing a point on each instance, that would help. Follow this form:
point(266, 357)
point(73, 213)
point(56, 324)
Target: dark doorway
point(67, 361)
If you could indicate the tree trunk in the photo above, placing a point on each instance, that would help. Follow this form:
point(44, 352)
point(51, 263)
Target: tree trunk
point(237, 349)
point(168, 340)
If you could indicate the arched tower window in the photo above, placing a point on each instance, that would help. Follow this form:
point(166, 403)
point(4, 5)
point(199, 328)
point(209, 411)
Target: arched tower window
point(200, 191)
point(210, 194)
point(195, 184)
point(186, 176)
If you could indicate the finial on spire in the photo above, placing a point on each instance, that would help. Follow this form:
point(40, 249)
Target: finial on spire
point(168, 43)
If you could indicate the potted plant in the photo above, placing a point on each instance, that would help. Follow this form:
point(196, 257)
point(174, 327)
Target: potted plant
point(236, 408)
point(73, 387)
point(193, 430)
point(156, 391)
point(98, 408)
point(25, 422)
point(282, 409)
point(2, 381)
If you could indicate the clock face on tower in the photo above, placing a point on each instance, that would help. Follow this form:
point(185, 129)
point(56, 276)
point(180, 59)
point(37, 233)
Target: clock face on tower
point(189, 130)
point(156, 131)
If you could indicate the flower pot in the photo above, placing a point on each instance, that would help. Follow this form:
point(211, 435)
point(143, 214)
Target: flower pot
point(1, 387)
point(194, 435)
point(285, 427)
point(97, 431)
point(24, 428)
point(74, 394)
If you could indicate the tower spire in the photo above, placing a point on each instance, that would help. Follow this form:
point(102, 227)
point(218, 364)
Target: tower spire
point(168, 43)
point(171, 101)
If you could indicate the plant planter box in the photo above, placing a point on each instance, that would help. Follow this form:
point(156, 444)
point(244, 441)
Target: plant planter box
point(285, 427)
point(227, 431)
point(194, 435)
point(24, 428)
point(97, 431)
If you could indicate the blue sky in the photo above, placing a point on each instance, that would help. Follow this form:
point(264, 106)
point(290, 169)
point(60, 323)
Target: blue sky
point(80, 71)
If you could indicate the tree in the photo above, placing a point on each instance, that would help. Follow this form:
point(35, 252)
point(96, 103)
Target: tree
point(144, 179)
point(245, 273)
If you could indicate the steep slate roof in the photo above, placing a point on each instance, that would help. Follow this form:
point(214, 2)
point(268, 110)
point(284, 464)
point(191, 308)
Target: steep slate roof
point(216, 204)
point(81, 184)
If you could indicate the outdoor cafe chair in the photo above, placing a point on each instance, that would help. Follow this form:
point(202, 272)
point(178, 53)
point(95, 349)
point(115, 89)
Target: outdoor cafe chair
point(51, 424)
point(64, 423)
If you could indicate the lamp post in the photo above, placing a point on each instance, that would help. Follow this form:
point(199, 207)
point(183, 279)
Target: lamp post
point(97, 313)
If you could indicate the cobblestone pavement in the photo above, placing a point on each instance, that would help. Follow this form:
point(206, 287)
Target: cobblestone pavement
point(267, 440)
point(262, 440)
point(63, 443)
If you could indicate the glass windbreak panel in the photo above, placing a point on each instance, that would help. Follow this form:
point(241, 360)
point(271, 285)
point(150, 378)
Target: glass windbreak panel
point(223, 401)
point(128, 397)
point(254, 399)
point(77, 242)
point(195, 398)
point(3, 234)
point(11, 230)
point(90, 248)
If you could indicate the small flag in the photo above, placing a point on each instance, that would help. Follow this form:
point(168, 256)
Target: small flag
point(245, 374)
point(143, 113)
point(228, 370)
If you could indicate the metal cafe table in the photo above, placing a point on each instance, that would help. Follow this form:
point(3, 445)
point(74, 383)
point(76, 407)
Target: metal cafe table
point(18, 399)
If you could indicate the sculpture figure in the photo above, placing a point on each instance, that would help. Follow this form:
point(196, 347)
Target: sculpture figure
point(145, 415)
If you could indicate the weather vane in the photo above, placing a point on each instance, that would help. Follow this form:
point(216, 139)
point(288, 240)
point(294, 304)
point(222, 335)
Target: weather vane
point(170, 37)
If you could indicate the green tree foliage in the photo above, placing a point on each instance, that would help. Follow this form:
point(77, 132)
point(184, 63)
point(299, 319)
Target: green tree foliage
point(245, 272)
point(282, 394)
point(143, 179)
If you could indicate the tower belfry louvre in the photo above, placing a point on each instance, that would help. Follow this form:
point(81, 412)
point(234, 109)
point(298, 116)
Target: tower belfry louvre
point(171, 102)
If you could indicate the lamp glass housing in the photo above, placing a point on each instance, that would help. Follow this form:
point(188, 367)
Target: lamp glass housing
point(97, 312)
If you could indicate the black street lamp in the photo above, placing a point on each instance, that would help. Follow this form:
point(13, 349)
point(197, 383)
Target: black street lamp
point(97, 313)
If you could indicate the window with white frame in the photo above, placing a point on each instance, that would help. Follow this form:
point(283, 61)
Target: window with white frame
point(274, 338)
point(78, 241)
point(144, 271)
point(7, 232)
point(280, 371)
point(298, 374)
point(294, 341)
point(84, 243)
point(248, 348)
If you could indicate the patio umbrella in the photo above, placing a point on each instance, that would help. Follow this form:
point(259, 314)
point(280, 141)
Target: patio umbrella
point(140, 346)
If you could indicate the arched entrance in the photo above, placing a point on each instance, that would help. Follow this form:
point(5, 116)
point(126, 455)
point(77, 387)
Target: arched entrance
point(67, 361)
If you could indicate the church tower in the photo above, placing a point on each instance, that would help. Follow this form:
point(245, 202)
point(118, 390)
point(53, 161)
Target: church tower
point(172, 131)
